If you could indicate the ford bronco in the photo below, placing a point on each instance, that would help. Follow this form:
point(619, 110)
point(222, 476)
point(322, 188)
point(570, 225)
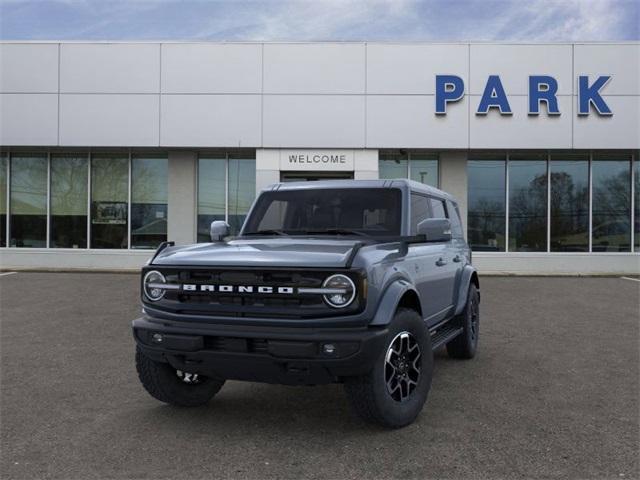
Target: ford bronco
point(355, 282)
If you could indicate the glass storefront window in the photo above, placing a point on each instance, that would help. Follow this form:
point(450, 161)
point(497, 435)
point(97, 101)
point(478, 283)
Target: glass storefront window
point(393, 165)
point(226, 190)
point(486, 197)
point(527, 202)
point(418, 166)
point(212, 175)
point(424, 169)
point(149, 195)
point(69, 179)
point(4, 162)
point(242, 190)
point(611, 184)
point(109, 197)
point(28, 208)
point(569, 221)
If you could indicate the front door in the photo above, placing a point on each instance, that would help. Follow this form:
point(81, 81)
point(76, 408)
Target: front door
point(314, 176)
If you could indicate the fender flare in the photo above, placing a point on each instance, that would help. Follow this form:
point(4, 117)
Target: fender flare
point(469, 274)
point(389, 301)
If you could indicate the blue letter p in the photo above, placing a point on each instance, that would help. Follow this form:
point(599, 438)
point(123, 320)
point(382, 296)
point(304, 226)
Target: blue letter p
point(449, 88)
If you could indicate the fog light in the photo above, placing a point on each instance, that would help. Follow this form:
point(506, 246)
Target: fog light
point(157, 338)
point(329, 348)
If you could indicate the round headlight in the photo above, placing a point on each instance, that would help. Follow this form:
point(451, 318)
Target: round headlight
point(340, 291)
point(152, 285)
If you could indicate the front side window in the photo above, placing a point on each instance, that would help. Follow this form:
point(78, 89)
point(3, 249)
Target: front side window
point(28, 222)
point(109, 196)
point(486, 197)
point(368, 211)
point(569, 221)
point(149, 195)
point(69, 183)
point(528, 203)
point(438, 208)
point(456, 222)
point(420, 210)
point(611, 230)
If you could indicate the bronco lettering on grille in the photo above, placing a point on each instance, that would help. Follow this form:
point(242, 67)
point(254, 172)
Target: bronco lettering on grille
point(191, 287)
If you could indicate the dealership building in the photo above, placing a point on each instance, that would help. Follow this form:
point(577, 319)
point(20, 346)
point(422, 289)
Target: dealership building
point(107, 149)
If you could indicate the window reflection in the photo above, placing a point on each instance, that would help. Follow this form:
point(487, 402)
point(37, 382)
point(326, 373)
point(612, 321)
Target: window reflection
point(211, 194)
point(611, 181)
point(486, 205)
point(242, 190)
point(28, 200)
point(527, 203)
point(424, 169)
point(69, 201)
point(393, 165)
point(149, 194)
point(3, 199)
point(569, 203)
point(109, 196)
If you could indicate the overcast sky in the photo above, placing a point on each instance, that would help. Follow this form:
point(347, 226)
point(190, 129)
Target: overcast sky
point(272, 20)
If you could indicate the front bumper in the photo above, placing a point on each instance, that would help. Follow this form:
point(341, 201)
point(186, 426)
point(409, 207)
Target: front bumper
point(285, 355)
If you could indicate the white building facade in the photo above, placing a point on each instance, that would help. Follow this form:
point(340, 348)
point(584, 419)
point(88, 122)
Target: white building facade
point(107, 149)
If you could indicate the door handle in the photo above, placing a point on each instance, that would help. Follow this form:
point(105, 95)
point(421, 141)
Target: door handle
point(441, 262)
point(457, 259)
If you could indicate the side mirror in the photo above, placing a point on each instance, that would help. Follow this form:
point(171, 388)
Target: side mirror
point(219, 229)
point(435, 229)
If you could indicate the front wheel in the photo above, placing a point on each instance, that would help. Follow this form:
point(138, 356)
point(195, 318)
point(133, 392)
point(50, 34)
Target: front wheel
point(175, 387)
point(393, 393)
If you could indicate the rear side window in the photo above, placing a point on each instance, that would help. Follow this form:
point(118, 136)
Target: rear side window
point(438, 208)
point(419, 211)
point(454, 217)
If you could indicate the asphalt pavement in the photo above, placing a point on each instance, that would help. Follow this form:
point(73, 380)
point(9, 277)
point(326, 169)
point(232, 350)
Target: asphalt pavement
point(553, 393)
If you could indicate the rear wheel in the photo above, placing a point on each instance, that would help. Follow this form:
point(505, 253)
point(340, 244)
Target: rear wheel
point(175, 387)
point(465, 345)
point(393, 393)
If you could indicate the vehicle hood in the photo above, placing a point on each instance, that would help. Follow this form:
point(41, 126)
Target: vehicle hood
point(263, 252)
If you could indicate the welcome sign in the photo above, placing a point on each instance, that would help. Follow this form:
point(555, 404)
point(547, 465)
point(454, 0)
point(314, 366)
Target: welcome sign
point(317, 160)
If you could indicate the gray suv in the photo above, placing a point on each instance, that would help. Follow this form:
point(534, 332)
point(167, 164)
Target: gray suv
point(355, 282)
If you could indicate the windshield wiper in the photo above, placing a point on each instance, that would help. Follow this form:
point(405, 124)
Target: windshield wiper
point(267, 232)
point(335, 231)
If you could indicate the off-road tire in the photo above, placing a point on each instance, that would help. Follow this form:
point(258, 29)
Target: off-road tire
point(465, 345)
point(369, 395)
point(163, 383)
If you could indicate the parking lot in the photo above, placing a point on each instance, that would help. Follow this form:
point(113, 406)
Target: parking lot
point(553, 393)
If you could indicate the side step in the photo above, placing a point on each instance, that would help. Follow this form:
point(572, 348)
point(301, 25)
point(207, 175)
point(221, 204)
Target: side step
point(444, 335)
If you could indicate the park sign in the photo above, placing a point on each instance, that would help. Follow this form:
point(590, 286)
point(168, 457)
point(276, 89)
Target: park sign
point(542, 89)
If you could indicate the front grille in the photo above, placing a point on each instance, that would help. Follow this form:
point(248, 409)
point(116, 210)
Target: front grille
point(258, 305)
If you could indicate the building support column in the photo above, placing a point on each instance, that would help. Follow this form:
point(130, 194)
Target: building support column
point(182, 208)
point(365, 165)
point(453, 179)
point(267, 168)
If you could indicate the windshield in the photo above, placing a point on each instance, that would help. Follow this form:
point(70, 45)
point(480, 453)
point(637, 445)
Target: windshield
point(346, 211)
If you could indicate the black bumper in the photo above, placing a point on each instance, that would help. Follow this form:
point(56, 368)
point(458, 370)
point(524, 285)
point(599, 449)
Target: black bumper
point(291, 355)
